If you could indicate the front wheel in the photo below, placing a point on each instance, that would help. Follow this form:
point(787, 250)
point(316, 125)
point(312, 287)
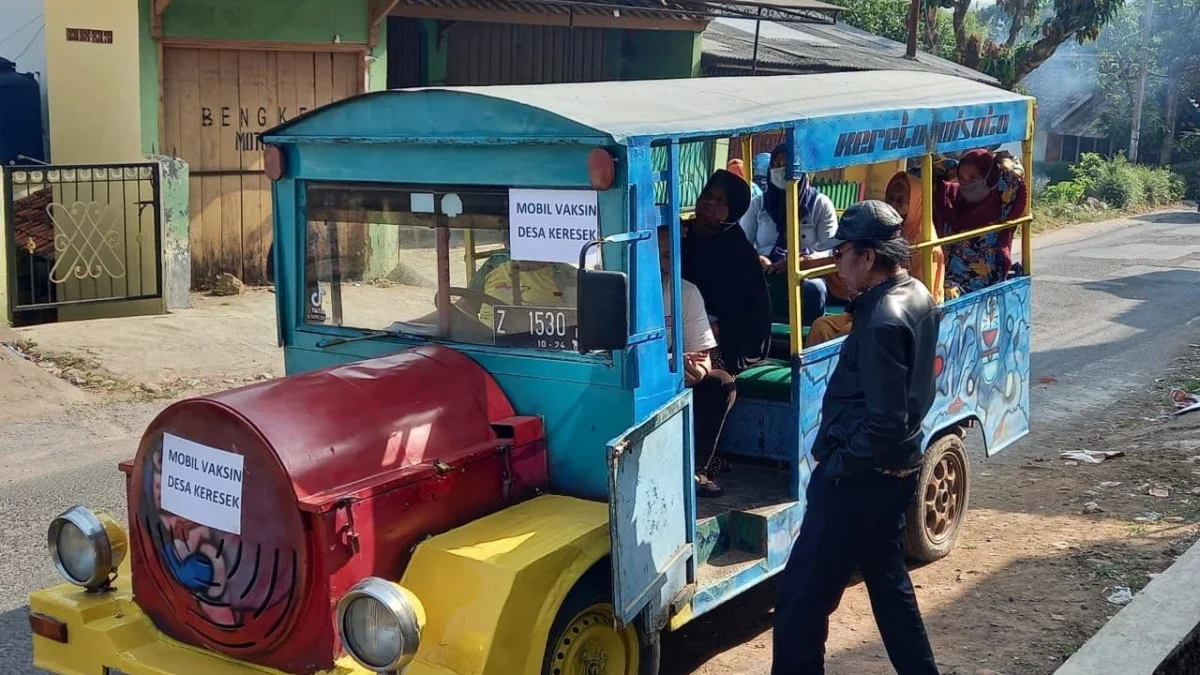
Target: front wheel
point(936, 516)
point(583, 641)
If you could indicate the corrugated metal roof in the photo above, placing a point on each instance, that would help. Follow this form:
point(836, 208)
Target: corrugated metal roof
point(674, 9)
point(651, 9)
point(816, 48)
point(713, 104)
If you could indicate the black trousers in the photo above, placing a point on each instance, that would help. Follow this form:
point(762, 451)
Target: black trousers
point(850, 523)
point(712, 399)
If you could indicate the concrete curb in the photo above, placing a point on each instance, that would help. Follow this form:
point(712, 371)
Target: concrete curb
point(1150, 630)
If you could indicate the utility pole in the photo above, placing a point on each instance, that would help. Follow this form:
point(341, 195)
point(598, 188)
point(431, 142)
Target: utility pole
point(1135, 134)
point(914, 17)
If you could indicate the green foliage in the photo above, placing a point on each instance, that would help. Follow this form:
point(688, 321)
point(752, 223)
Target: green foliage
point(889, 19)
point(1190, 172)
point(1170, 47)
point(1066, 192)
point(1124, 185)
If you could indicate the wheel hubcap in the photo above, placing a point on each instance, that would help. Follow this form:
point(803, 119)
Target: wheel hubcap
point(591, 646)
point(943, 496)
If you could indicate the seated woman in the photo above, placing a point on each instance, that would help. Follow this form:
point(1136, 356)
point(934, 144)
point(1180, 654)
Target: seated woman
point(765, 224)
point(542, 285)
point(738, 168)
point(904, 195)
point(713, 390)
point(719, 260)
point(990, 189)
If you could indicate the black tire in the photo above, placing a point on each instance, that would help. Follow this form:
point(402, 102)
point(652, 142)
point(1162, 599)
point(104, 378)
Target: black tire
point(936, 516)
point(592, 591)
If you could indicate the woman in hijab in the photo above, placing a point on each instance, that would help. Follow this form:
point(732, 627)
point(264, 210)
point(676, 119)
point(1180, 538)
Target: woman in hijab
point(738, 168)
point(762, 169)
point(719, 260)
point(765, 225)
point(990, 189)
point(903, 194)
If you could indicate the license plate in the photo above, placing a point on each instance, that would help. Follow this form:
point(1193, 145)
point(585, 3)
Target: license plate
point(535, 327)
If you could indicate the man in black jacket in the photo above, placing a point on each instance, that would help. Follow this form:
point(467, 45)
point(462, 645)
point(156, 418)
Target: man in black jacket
point(869, 451)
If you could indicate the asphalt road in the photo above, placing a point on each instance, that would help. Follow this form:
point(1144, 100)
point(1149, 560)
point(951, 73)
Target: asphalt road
point(1112, 302)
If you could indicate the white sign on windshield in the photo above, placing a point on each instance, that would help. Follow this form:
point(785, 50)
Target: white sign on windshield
point(202, 484)
point(552, 225)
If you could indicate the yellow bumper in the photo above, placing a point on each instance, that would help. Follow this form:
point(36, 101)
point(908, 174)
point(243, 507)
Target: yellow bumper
point(109, 635)
point(491, 589)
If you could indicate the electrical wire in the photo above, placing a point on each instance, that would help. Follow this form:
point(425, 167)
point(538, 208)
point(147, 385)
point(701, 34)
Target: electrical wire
point(13, 34)
point(30, 43)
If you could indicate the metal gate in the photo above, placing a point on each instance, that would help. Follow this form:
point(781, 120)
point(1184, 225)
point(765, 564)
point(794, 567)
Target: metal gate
point(80, 235)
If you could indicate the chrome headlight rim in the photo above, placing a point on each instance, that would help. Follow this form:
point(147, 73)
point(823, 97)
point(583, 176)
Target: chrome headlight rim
point(401, 607)
point(94, 531)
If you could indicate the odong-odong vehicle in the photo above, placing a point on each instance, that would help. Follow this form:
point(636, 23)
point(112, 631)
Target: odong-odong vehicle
point(481, 461)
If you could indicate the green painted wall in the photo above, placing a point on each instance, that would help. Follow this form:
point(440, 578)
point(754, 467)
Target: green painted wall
point(658, 54)
point(256, 21)
point(147, 79)
point(433, 58)
point(268, 20)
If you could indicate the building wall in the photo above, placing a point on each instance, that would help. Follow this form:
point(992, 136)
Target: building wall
point(319, 21)
point(92, 89)
point(658, 54)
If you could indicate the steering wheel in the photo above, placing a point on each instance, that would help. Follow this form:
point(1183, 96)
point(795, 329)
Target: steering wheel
point(472, 294)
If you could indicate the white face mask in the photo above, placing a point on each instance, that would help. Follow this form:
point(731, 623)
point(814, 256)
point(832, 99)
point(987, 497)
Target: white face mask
point(779, 177)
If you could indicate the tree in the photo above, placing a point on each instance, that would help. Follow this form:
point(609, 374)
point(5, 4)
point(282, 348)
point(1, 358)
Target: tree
point(1173, 71)
point(954, 29)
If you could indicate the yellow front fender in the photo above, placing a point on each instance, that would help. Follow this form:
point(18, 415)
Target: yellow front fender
point(491, 588)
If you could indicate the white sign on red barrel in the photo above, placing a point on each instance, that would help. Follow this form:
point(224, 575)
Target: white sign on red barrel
point(202, 484)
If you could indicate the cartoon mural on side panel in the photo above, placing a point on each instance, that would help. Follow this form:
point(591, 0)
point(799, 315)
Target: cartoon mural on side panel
point(981, 367)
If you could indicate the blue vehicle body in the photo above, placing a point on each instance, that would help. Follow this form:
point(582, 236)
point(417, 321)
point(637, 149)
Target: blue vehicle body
point(618, 424)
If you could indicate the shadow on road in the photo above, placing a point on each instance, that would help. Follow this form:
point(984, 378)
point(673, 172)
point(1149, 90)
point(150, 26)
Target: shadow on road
point(1164, 301)
point(1172, 217)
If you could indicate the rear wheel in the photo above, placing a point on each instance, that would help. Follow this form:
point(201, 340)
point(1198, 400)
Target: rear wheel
point(583, 640)
point(936, 516)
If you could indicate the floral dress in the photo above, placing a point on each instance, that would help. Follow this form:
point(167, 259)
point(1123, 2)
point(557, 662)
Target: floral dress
point(984, 261)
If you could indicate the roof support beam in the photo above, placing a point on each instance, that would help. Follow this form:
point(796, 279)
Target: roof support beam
point(379, 13)
point(157, 9)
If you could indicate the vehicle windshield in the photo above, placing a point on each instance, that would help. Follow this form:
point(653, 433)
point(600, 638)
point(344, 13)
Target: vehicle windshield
point(436, 261)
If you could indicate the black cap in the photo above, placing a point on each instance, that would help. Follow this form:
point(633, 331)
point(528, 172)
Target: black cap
point(871, 220)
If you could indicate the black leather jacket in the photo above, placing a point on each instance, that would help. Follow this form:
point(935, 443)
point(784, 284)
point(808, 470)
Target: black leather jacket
point(883, 384)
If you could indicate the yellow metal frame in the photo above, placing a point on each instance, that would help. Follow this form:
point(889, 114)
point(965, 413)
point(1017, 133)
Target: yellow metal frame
point(930, 238)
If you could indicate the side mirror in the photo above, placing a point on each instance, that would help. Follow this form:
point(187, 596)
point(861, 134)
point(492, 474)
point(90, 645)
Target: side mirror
point(603, 322)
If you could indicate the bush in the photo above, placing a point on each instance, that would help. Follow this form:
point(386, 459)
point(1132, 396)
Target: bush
point(1067, 192)
point(1190, 174)
point(1126, 186)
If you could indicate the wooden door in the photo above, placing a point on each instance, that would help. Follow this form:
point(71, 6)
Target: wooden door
point(216, 104)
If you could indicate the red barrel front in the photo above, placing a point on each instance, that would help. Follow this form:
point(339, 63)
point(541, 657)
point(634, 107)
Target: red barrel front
point(233, 497)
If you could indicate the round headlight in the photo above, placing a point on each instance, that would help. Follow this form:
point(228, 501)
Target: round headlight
point(85, 547)
point(380, 624)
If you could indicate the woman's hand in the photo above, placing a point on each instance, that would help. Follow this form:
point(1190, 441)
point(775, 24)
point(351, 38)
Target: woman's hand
point(765, 262)
point(696, 365)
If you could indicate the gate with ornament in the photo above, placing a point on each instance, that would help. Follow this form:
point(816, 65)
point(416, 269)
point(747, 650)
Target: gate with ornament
point(81, 241)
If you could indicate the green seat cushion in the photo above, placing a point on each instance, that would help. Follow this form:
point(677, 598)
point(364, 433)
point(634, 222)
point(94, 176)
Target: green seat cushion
point(770, 380)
